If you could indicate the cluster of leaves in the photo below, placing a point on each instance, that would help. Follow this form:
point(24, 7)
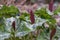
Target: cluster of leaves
point(42, 13)
point(8, 11)
point(22, 28)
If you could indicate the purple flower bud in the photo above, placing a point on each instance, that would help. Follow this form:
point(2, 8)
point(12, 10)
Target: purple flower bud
point(53, 31)
point(32, 17)
point(51, 5)
point(13, 25)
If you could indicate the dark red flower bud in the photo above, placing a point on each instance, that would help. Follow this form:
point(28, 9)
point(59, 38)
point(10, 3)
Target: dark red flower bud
point(51, 5)
point(13, 25)
point(32, 17)
point(52, 33)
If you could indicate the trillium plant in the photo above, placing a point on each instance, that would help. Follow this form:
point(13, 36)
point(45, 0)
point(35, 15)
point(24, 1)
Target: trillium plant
point(31, 25)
